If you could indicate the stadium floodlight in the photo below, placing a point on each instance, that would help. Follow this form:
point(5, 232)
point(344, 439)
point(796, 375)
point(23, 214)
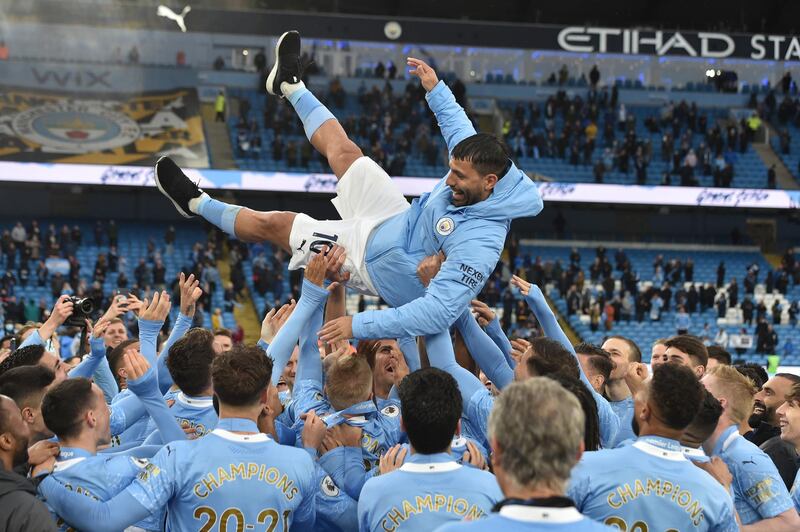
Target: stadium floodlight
point(166, 12)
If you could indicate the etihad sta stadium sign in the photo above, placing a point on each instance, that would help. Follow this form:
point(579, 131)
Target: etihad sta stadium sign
point(691, 44)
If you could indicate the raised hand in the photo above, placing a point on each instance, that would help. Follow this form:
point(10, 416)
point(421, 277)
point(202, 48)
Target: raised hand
point(158, 308)
point(135, 364)
point(523, 285)
point(42, 451)
point(424, 72)
point(473, 456)
point(429, 267)
point(274, 320)
point(337, 330)
point(637, 374)
point(334, 262)
point(399, 367)
point(518, 348)
point(134, 304)
point(315, 269)
point(393, 459)
point(313, 430)
point(99, 328)
point(190, 293)
point(483, 312)
point(61, 311)
point(348, 435)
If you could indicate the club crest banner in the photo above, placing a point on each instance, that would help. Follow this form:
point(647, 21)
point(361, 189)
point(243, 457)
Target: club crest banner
point(38, 126)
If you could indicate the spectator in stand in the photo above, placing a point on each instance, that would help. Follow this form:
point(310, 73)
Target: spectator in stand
point(133, 56)
point(219, 106)
point(594, 76)
point(683, 321)
point(3, 51)
point(180, 58)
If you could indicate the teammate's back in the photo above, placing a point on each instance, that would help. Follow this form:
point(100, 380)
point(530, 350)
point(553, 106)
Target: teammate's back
point(232, 480)
point(649, 483)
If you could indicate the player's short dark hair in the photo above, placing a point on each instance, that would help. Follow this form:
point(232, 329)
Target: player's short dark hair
point(635, 352)
point(719, 354)
point(676, 393)
point(692, 346)
point(26, 384)
point(189, 361)
point(599, 359)
point(240, 375)
point(591, 432)
point(754, 372)
point(30, 355)
point(549, 357)
point(64, 404)
point(706, 419)
point(487, 153)
point(788, 376)
point(115, 355)
point(794, 394)
point(431, 407)
point(224, 332)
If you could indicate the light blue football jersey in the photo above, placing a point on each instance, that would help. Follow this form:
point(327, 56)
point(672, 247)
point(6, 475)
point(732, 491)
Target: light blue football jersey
point(652, 485)
point(336, 511)
point(426, 492)
point(195, 412)
point(229, 481)
point(624, 411)
point(523, 518)
point(795, 493)
point(758, 490)
point(234, 478)
point(381, 429)
point(99, 477)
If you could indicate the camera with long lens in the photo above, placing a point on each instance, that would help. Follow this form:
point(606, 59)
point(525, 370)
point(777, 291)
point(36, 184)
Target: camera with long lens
point(82, 308)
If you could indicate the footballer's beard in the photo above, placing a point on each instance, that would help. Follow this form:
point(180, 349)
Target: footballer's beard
point(635, 426)
point(461, 197)
point(760, 413)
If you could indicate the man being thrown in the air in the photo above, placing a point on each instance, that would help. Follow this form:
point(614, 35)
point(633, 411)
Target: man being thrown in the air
point(466, 216)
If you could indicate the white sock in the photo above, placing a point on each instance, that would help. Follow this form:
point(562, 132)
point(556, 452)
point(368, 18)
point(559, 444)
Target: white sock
point(288, 88)
point(194, 203)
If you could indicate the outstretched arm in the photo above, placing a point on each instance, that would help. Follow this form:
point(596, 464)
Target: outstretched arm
point(142, 381)
point(487, 318)
point(452, 119)
point(471, 257)
point(441, 355)
point(609, 421)
point(488, 356)
point(97, 352)
point(312, 298)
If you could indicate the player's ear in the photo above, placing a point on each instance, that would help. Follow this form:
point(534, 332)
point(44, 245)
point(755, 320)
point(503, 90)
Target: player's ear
point(490, 181)
point(27, 415)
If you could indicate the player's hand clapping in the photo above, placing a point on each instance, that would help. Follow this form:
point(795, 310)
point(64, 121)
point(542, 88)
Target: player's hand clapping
point(483, 313)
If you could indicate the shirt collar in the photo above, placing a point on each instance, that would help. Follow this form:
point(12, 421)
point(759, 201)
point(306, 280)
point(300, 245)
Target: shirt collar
point(237, 424)
point(418, 458)
point(541, 514)
point(68, 453)
point(660, 447)
point(429, 463)
point(726, 439)
point(197, 402)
